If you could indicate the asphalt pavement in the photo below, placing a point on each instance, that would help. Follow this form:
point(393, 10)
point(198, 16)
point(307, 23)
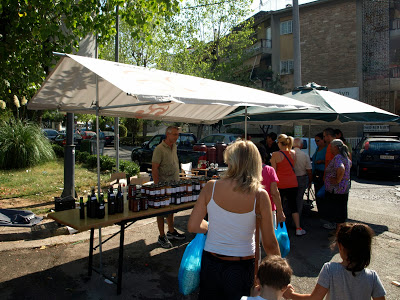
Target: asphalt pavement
point(49, 262)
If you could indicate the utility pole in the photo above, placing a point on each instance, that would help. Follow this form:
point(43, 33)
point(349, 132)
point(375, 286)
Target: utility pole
point(296, 44)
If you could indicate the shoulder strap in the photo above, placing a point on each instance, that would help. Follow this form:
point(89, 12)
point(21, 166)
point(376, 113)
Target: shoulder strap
point(257, 238)
point(286, 158)
point(212, 195)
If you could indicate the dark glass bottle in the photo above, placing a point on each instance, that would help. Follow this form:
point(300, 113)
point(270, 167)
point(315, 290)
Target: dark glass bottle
point(101, 211)
point(111, 201)
point(81, 208)
point(120, 200)
point(92, 208)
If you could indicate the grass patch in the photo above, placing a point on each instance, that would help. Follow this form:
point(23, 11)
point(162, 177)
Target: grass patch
point(40, 184)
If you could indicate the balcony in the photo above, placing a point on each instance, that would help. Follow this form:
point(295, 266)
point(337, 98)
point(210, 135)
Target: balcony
point(262, 46)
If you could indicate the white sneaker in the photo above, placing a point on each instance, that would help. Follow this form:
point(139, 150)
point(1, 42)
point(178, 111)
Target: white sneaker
point(300, 231)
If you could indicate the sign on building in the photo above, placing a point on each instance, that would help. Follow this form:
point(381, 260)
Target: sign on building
point(376, 128)
point(352, 92)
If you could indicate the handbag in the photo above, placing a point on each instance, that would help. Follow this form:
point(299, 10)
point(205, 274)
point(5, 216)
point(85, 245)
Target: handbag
point(283, 239)
point(189, 270)
point(287, 159)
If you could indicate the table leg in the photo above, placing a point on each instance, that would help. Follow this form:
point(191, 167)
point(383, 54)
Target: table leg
point(91, 251)
point(121, 258)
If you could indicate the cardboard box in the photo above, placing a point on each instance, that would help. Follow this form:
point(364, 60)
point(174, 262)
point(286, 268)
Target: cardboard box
point(142, 178)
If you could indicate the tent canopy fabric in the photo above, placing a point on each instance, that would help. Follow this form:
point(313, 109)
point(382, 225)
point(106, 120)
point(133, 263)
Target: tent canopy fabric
point(71, 87)
point(333, 108)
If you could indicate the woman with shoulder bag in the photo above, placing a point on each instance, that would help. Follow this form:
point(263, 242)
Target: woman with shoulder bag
point(228, 261)
point(337, 183)
point(283, 162)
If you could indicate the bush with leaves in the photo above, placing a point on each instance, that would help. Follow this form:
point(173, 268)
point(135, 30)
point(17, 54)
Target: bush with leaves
point(122, 131)
point(81, 156)
point(22, 144)
point(91, 161)
point(58, 150)
point(129, 167)
point(106, 162)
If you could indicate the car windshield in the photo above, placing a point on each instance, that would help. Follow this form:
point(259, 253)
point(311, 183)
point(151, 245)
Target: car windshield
point(384, 146)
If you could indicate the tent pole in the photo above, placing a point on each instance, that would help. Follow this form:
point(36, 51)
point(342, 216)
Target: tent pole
point(97, 126)
point(97, 136)
point(245, 122)
point(309, 138)
point(116, 120)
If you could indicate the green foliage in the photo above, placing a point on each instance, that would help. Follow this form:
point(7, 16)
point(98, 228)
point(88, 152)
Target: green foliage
point(91, 161)
point(129, 167)
point(85, 146)
point(218, 34)
point(127, 141)
point(53, 115)
point(122, 131)
point(31, 30)
point(81, 156)
point(106, 162)
point(22, 144)
point(58, 150)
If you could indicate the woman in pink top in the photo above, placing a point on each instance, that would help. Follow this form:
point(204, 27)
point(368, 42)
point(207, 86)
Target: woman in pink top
point(283, 162)
point(270, 183)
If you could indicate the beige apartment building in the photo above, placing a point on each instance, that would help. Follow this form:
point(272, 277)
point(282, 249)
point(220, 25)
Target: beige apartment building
point(350, 46)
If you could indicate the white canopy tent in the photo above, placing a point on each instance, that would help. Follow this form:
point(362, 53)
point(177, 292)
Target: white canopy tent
point(138, 92)
point(87, 85)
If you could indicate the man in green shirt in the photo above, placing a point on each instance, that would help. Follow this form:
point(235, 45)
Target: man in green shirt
point(165, 168)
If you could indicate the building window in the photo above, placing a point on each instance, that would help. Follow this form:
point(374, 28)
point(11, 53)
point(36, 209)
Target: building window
point(286, 27)
point(286, 67)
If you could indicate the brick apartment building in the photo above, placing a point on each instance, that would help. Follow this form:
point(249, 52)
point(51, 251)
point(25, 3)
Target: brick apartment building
point(350, 46)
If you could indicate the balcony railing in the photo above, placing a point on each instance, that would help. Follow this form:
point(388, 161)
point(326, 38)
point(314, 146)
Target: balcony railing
point(262, 45)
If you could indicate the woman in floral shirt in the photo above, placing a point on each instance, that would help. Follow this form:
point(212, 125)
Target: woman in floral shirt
point(337, 182)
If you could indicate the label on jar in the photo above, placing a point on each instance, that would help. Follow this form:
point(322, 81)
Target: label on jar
point(190, 188)
point(151, 203)
point(157, 204)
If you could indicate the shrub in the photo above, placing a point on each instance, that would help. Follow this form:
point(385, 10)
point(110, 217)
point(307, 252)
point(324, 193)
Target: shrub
point(58, 150)
point(85, 146)
point(129, 167)
point(81, 156)
point(122, 131)
point(126, 141)
point(106, 162)
point(22, 144)
point(91, 161)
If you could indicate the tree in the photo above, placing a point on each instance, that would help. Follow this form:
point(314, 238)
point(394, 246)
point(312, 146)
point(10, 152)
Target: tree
point(31, 30)
point(209, 39)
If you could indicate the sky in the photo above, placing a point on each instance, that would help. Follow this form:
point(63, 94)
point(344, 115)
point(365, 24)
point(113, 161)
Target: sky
point(275, 4)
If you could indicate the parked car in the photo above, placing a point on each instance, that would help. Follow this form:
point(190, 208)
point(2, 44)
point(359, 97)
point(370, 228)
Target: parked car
point(50, 133)
point(61, 139)
point(87, 135)
point(377, 154)
point(109, 137)
point(143, 155)
point(212, 139)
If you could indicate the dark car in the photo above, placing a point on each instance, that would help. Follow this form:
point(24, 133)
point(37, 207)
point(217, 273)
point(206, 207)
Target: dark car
point(377, 154)
point(109, 137)
point(50, 133)
point(61, 139)
point(143, 155)
point(212, 139)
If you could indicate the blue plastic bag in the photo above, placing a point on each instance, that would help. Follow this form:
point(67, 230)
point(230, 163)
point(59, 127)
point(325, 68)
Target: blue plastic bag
point(283, 239)
point(189, 271)
point(321, 192)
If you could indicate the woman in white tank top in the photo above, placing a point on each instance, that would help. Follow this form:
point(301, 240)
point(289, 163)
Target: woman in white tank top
point(227, 268)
